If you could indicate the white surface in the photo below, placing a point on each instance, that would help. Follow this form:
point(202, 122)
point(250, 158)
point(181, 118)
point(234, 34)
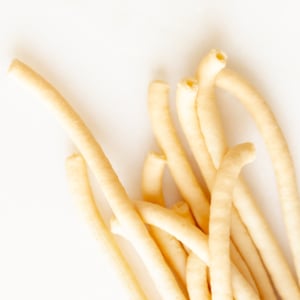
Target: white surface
point(101, 55)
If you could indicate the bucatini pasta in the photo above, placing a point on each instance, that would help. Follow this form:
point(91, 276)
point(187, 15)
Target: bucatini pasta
point(191, 236)
point(243, 200)
point(182, 209)
point(206, 106)
point(164, 131)
point(108, 180)
point(196, 278)
point(152, 190)
point(152, 178)
point(194, 239)
point(187, 114)
point(243, 267)
point(196, 269)
point(206, 245)
point(82, 192)
point(279, 153)
point(219, 220)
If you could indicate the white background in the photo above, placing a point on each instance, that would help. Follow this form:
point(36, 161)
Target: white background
point(102, 55)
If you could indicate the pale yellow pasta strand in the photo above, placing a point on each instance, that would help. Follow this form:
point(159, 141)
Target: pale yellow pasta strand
point(220, 219)
point(165, 134)
point(182, 209)
point(111, 186)
point(172, 251)
point(196, 277)
point(169, 246)
point(186, 110)
point(192, 237)
point(241, 265)
point(196, 269)
point(251, 216)
point(279, 153)
point(152, 177)
point(206, 107)
point(152, 190)
point(82, 193)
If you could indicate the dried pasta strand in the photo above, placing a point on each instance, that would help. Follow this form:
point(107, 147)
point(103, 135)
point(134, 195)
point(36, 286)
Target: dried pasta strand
point(152, 177)
point(249, 212)
point(170, 247)
point(186, 109)
point(82, 193)
point(165, 134)
point(152, 189)
point(182, 209)
point(206, 107)
point(279, 153)
point(241, 265)
point(220, 219)
point(192, 237)
point(196, 269)
point(115, 193)
point(196, 277)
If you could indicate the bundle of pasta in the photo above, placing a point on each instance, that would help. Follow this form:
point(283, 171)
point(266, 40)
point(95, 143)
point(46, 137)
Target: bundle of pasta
point(209, 245)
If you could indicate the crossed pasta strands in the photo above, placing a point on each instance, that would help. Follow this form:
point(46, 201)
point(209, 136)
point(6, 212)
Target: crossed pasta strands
point(204, 247)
